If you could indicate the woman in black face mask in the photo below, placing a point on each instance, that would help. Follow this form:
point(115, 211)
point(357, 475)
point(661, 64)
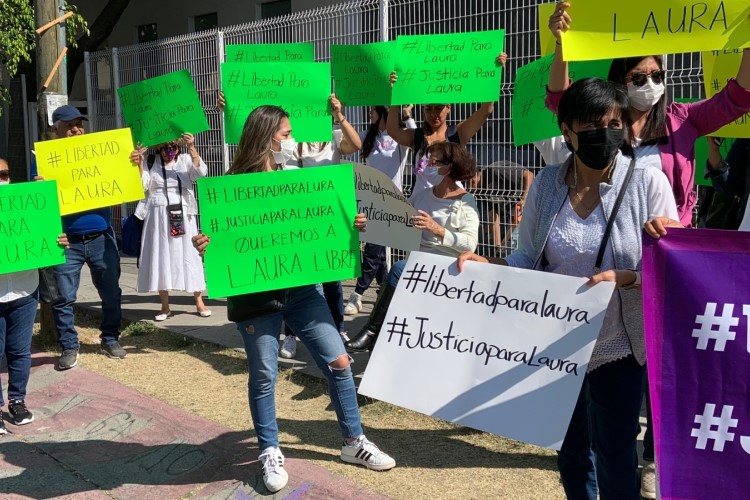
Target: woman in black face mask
point(584, 218)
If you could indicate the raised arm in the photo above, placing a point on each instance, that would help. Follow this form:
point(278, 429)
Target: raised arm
point(392, 125)
point(350, 141)
point(559, 22)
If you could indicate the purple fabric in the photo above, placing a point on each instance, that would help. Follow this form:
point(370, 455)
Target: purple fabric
point(683, 273)
point(685, 124)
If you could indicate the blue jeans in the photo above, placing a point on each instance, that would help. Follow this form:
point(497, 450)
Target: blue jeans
point(103, 260)
point(16, 328)
point(305, 311)
point(373, 267)
point(395, 273)
point(599, 448)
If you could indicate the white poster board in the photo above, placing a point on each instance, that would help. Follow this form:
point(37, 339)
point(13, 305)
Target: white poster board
point(485, 348)
point(388, 213)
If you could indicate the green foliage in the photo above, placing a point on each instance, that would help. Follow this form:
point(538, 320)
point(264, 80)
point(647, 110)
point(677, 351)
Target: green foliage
point(18, 37)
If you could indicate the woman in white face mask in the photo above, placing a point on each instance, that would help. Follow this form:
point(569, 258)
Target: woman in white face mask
point(265, 145)
point(664, 133)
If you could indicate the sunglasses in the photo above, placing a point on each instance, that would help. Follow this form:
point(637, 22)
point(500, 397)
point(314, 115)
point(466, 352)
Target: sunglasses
point(639, 79)
point(4, 175)
point(170, 147)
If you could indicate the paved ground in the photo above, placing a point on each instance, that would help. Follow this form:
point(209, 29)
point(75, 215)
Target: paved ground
point(94, 438)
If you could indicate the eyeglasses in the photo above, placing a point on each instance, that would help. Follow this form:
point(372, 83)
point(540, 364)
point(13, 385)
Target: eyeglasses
point(4, 175)
point(435, 161)
point(639, 79)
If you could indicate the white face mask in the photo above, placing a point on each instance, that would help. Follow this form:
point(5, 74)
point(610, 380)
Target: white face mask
point(288, 148)
point(4, 182)
point(644, 97)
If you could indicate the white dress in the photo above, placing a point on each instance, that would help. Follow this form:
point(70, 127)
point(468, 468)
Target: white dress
point(170, 262)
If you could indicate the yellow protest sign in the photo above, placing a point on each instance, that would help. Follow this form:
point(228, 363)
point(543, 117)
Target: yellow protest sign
point(91, 170)
point(546, 40)
point(602, 30)
point(718, 68)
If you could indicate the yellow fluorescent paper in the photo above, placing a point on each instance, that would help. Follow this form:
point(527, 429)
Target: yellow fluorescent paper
point(612, 29)
point(718, 68)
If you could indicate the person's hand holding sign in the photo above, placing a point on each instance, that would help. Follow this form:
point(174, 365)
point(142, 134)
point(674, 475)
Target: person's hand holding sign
point(360, 222)
point(559, 21)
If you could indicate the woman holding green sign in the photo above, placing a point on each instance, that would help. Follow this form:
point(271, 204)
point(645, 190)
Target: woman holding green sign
point(19, 298)
point(266, 145)
point(435, 129)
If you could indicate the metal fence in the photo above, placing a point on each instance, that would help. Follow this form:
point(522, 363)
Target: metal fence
point(356, 22)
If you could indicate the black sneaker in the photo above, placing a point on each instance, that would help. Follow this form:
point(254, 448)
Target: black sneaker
point(68, 359)
point(21, 415)
point(3, 430)
point(113, 350)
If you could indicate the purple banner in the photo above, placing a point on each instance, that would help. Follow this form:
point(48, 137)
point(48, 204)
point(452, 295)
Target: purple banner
point(696, 300)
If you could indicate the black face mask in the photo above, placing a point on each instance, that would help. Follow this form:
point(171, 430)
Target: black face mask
point(598, 148)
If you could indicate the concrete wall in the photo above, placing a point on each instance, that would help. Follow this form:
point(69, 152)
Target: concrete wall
point(173, 17)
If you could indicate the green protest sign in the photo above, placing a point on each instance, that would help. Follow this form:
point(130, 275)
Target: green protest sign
point(160, 109)
point(361, 73)
point(701, 152)
point(29, 225)
point(532, 121)
point(280, 229)
point(302, 89)
point(270, 52)
point(450, 68)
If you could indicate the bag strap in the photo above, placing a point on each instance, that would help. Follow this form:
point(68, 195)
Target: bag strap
point(611, 221)
point(179, 184)
point(150, 160)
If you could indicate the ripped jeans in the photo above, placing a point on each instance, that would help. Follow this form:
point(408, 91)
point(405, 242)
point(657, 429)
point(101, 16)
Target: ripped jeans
point(305, 311)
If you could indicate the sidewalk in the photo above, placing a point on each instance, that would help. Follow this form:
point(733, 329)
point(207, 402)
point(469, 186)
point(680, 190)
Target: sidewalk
point(94, 438)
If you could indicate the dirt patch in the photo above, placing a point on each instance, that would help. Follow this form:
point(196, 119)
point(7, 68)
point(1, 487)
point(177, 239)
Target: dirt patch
point(436, 459)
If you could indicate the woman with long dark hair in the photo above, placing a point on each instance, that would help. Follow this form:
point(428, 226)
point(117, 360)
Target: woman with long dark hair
point(266, 145)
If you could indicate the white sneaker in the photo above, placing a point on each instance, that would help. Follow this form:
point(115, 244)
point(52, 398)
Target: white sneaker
point(353, 305)
point(289, 347)
point(363, 452)
point(274, 475)
point(648, 481)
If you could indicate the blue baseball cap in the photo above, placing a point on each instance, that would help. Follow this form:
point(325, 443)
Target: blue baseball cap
point(67, 113)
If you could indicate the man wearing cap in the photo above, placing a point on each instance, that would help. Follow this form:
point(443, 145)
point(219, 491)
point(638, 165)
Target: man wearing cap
point(92, 241)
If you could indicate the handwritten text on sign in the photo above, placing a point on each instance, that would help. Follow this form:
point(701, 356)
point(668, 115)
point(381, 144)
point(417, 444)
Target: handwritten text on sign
point(361, 73)
point(275, 230)
point(271, 52)
point(160, 109)
point(532, 121)
point(494, 348)
point(388, 213)
point(29, 225)
point(302, 89)
point(603, 30)
point(91, 170)
point(452, 68)
point(718, 68)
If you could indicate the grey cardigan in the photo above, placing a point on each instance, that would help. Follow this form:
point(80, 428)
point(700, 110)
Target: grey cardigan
point(647, 196)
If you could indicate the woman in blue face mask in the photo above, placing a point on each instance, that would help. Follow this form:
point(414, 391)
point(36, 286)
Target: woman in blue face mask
point(564, 231)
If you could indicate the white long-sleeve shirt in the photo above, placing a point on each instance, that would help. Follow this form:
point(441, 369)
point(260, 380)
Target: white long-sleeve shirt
point(459, 217)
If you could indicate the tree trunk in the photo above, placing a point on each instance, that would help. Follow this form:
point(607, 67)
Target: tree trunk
point(47, 50)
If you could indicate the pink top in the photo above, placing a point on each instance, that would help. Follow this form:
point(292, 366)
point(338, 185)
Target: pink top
point(685, 124)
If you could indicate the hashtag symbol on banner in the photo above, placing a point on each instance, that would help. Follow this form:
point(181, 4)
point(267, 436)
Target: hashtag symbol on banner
point(211, 194)
point(239, 56)
point(232, 114)
point(413, 277)
point(234, 77)
point(54, 159)
point(716, 328)
point(715, 84)
point(713, 427)
point(526, 108)
point(394, 327)
point(214, 225)
point(408, 76)
point(410, 46)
